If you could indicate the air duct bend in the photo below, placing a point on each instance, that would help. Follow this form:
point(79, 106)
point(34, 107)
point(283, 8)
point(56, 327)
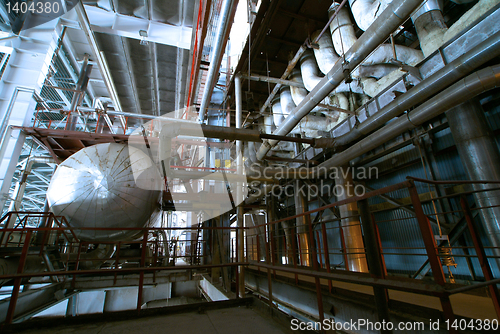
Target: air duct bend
point(278, 116)
point(365, 12)
point(325, 53)
point(310, 76)
point(430, 26)
point(286, 101)
point(299, 93)
point(342, 30)
point(309, 70)
point(344, 37)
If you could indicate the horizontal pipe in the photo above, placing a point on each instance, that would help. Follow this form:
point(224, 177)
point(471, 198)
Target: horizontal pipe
point(255, 77)
point(395, 14)
point(447, 75)
point(462, 91)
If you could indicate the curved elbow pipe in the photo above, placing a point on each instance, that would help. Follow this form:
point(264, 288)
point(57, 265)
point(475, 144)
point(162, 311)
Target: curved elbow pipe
point(325, 53)
point(278, 116)
point(387, 22)
point(286, 100)
point(365, 12)
point(342, 30)
point(344, 37)
point(309, 70)
point(310, 76)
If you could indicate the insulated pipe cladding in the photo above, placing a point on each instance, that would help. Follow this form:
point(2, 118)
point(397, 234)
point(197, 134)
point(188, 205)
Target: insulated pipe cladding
point(106, 186)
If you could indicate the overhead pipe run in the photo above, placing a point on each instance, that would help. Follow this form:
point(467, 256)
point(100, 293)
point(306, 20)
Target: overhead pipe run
point(462, 91)
point(223, 26)
point(447, 75)
point(456, 94)
point(344, 37)
point(395, 14)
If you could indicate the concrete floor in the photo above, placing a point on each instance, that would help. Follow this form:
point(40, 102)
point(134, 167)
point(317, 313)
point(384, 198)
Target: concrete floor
point(228, 320)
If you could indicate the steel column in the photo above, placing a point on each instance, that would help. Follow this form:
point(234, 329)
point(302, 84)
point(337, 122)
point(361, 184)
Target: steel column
point(479, 153)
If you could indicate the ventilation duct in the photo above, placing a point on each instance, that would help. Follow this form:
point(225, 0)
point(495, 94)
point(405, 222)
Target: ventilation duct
point(365, 12)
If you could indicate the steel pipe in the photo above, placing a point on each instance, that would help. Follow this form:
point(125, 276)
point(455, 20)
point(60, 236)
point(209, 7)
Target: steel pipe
point(479, 154)
point(225, 22)
point(395, 14)
point(455, 70)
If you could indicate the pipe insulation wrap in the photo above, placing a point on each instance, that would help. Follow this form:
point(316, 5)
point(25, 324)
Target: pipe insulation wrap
point(456, 94)
point(441, 79)
point(386, 23)
point(365, 12)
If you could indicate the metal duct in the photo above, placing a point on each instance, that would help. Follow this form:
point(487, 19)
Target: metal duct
point(105, 185)
point(287, 104)
point(344, 37)
point(278, 116)
point(325, 53)
point(226, 11)
point(351, 227)
point(342, 31)
point(455, 70)
point(303, 222)
point(462, 91)
point(388, 21)
point(365, 12)
point(299, 93)
point(309, 70)
point(479, 154)
point(310, 76)
point(430, 26)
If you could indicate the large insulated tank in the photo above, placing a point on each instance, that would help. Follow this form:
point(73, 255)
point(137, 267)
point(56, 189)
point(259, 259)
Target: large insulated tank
point(106, 185)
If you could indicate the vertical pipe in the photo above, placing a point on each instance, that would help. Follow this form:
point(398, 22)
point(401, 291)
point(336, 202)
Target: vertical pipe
point(221, 35)
point(351, 227)
point(302, 224)
point(375, 261)
point(239, 191)
point(479, 153)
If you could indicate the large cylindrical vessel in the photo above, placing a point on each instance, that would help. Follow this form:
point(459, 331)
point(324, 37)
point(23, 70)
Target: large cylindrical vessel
point(103, 186)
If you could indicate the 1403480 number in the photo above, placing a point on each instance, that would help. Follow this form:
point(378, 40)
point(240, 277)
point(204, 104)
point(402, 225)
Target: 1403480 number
point(40, 7)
